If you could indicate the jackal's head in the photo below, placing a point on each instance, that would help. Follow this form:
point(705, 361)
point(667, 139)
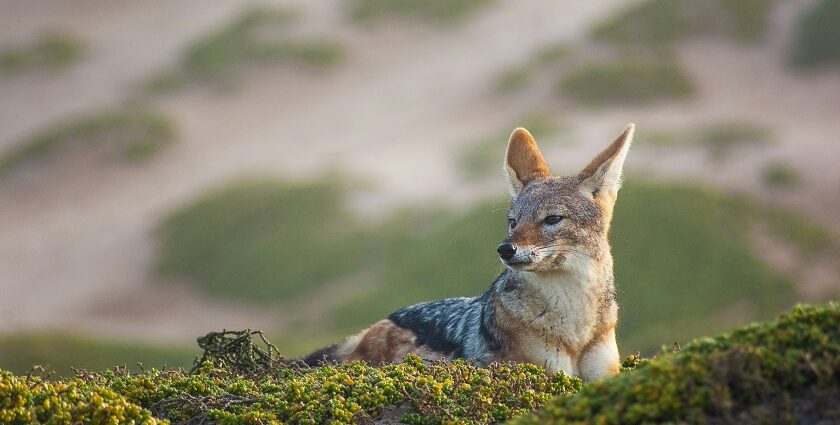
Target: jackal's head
point(559, 223)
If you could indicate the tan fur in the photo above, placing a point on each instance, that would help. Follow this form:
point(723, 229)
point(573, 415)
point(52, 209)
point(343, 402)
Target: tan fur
point(384, 342)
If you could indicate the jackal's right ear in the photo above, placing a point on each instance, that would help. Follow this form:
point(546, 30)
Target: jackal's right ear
point(523, 162)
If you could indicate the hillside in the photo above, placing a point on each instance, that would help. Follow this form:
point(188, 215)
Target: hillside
point(786, 369)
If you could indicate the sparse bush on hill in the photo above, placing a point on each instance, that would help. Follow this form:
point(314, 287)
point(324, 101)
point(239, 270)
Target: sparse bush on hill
point(255, 37)
point(519, 76)
point(128, 134)
point(818, 35)
point(632, 80)
point(262, 240)
point(719, 139)
point(661, 22)
point(784, 369)
point(779, 175)
point(51, 51)
point(445, 11)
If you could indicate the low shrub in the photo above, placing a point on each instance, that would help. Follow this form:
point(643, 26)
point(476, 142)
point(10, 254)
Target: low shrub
point(51, 51)
point(128, 134)
point(253, 38)
point(818, 35)
point(628, 81)
point(661, 22)
point(441, 11)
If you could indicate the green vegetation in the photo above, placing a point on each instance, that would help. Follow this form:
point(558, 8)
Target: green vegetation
point(759, 373)
point(439, 11)
point(722, 138)
point(483, 158)
point(818, 36)
point(254, 38)
point(779, 175)
point(129, 134)
point(51, 51)
point(719, 139)
point(661, 22)
point(628, 81)
point(809, 237)
point(763, 373)
point(520, 76)
point(264, 241)
point(61, 351)
point(690, 247)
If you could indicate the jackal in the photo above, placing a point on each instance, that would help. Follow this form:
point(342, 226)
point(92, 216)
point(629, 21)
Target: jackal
point(554, 304)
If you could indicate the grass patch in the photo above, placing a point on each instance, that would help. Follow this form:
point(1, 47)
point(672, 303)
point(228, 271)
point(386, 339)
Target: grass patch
point(779, 175)
point(61, 351)
point(483, 158)
point(436, 11)
point(263, 241)
point(818, 36)
point(254, 38)
point(130, 135)
point(661, 22)
point(627, 81)
point(51, 51)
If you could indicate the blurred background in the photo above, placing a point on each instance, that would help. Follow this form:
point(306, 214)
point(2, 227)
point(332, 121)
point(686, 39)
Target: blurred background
point(306, 167)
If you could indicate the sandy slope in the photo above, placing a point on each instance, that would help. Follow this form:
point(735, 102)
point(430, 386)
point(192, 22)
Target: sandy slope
point(76, 240)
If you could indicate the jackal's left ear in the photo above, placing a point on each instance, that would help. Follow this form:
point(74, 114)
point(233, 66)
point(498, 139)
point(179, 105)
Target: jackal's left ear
point(603, 175)
point(523, 162)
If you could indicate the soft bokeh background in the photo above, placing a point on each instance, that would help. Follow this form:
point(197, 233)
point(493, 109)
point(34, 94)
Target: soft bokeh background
point(169, 168)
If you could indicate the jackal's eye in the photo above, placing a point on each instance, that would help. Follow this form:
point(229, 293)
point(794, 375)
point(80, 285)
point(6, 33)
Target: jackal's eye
point(511, 223)
point(553, 219)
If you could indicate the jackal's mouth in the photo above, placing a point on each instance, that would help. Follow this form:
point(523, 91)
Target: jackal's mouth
point(518, 264)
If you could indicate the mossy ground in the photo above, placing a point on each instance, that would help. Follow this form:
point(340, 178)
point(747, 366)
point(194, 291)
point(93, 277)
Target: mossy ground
point(763, 373)
point(756, 371)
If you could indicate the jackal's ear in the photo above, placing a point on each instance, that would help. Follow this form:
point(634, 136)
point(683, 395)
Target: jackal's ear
point(603, 175)
point(523, 162)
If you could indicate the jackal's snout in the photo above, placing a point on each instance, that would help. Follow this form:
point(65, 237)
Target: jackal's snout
point(506, 250)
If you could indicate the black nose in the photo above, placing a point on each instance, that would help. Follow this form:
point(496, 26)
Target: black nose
point(506, 250)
